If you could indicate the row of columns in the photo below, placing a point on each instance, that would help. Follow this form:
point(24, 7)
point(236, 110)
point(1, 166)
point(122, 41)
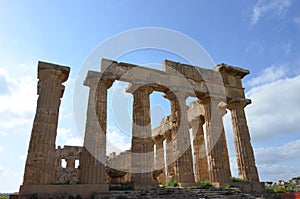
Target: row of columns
point(217, 167)
point(179, 158)
point(40, 164)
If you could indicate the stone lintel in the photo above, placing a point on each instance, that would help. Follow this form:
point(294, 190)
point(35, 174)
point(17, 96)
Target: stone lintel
point(64, 70)
point(236, 71)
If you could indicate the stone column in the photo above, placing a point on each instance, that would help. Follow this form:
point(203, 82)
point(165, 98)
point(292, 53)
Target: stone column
point(41, 159)
point(182, 143)
point(200, 160)
point(92, 129)
point(169, 155)
point(244, 151)
point(141, 144)
point(94, 152)
point(160, 159)
point(159, 156)
point(216, 141)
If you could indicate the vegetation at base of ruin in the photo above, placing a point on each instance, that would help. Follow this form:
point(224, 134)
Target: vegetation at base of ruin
point(205, 184)
point(281, 189)
point(4, 197)
point(233, 179)
point(171, 183)
point(225, 187)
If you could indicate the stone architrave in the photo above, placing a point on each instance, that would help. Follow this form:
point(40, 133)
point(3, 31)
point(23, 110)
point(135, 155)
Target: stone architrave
point(244, 151)
point(141, 144)
point(216, 141)
point(184, 174)
point(41, 159)
point(200, 159)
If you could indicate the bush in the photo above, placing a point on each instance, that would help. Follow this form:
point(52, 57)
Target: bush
point(172, 183)
point(233, 179)
point(205, 184)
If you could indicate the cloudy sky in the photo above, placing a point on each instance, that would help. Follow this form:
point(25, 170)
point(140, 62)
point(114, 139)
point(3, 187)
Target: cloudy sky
point(261, 36)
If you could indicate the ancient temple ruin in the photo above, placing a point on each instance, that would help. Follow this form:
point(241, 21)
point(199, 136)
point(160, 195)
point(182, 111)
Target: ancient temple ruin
point(215, 90)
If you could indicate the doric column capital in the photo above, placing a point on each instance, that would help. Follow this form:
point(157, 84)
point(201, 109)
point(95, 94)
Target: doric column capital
point(238, 103)
point(105, 83)
point(92, 78)
point(198, 120)
point(158, 138)
point(46, 70)
point(137, 87)
point(215, 101)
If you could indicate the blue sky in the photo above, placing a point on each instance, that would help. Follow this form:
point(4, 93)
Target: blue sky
point(261, 36)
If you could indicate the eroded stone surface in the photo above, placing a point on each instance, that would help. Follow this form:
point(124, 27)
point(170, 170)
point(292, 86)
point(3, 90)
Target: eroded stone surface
point(214, 90)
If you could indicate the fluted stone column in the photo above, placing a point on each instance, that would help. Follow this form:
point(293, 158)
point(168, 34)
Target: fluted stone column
point(170, 155)
point(41, 159)
point(94, 152)
point(182, 143)
point(216, 141)
point(244, 151)
point(141, 144)
point(98, 135)
point(160, 159)
point(200, 160)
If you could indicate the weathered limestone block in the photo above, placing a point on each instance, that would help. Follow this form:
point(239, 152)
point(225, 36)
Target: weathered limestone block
point(70, 174)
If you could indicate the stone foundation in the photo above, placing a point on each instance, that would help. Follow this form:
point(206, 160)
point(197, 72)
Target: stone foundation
point(50, 191)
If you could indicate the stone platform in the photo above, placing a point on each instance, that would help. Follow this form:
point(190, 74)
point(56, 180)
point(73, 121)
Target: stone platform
point(52, 191)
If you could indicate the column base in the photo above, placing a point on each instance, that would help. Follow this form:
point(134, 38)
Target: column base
point(84, 190)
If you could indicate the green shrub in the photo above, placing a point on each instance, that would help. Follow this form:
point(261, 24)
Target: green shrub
point(205, 184)
point(233, 179)
point(172, 183)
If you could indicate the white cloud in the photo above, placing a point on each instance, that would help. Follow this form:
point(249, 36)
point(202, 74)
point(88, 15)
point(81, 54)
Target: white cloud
point(275, 108)
point(63, 133)
point(279, 162)
point(117, 141)
point(18, 102)
point(274, 8)
point(1, 149)
point(74, 141)
point(3, 133)
point(269, 74)
point(68, 138)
